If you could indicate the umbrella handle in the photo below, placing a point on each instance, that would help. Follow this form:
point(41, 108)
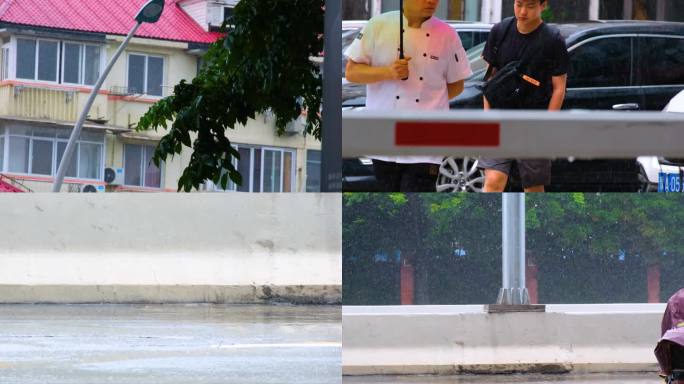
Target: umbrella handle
point(401, 32)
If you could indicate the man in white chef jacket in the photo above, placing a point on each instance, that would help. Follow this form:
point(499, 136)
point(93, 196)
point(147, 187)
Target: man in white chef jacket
point(435, 67)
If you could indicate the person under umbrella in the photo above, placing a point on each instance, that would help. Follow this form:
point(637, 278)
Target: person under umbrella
point(670, 348)
point(409, 61)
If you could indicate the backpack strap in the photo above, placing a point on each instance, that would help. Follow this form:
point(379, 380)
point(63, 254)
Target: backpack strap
point(506, 26)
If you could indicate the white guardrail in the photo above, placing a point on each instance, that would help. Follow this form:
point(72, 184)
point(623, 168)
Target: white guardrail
point(454, 339)
point(517, 134)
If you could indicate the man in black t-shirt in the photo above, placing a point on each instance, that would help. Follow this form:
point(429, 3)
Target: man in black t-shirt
point(547, 71)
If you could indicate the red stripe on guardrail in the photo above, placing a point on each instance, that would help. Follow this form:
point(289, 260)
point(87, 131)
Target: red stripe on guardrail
point(429, 134)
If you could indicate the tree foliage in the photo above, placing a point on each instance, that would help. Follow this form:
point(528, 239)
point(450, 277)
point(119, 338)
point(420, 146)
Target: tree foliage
point(588, 247)
point(262, 65)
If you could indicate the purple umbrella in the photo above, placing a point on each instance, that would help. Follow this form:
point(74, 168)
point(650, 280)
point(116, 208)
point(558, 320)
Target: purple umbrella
point(672, 334)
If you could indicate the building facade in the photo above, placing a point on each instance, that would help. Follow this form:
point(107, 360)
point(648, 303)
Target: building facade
point(52, 54)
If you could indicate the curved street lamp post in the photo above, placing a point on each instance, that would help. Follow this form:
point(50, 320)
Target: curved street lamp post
point(149, 13)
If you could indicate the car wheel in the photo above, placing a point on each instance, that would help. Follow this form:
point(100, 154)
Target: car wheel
point(460, 175)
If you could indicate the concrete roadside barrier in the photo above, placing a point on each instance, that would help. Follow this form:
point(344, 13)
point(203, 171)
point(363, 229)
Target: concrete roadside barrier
point(170, 248)
point(466, 339)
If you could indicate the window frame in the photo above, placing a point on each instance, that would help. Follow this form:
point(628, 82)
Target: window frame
point(632, 37)
point(232, 187)
point(81, 62)
point(55, 140)
point(640, 80)
point(61, 51)
point(308, 151)
point(224, 19)
point(5, 64)
point(15, 44)
point(145, 71)
point(142, 167)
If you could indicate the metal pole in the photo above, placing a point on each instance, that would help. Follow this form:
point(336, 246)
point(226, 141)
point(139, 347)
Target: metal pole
point(76, 133)
point(331, 133)
point(513, 291)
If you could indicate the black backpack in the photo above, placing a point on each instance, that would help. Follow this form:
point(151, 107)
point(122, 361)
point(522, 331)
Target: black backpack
point(512, 86)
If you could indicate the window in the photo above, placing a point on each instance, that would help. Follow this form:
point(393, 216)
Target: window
point(664, 63)
point(313, 171)
point(47, 60)
point(272, 170)
point(26, 59)
point(72, 63)
point(145, 74)
point(470, 39)
point(4, 64)
point(263, 170)
point(2, 148)
point(40, 60)
point(38, 151)
point(19, 154)
point(89, 160)
point(37, 59)
point(228, 15)
point(81, 64)
point(41, 157)
point(139, 169)
point(73, 163)
point(604, 62)
point(92, 64)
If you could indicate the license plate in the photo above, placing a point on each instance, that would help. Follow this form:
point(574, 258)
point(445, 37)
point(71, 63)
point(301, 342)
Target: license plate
point(669, 182)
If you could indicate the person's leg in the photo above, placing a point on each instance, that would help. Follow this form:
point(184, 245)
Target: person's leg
point(534, 188)
point(535, 174)
point(495, 181)
point(388, 175)
point(496, 173)
point(419, 177)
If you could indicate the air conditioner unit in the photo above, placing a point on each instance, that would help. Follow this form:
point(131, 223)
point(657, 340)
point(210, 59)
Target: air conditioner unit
point(89, 188)
point(296, 126)
point(114, 176)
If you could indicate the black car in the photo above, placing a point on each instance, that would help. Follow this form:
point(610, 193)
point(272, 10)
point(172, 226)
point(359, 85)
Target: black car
point(614, 65)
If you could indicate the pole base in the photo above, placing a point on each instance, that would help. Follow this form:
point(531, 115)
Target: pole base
point(505, 308)
point(513, 296)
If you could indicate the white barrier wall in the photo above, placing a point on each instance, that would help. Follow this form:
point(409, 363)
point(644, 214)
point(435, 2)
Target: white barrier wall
point(170, 247)
point(465, 339)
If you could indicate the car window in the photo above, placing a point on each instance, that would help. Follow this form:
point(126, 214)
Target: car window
point(479, 37)
point(470, 39)
point(663, 62)
point(466, 39)
point(604, 62)
point(348, 37)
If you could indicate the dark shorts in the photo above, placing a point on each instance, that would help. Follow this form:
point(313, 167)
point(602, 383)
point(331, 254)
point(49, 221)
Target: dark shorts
point(532, 172)
point(398, 177)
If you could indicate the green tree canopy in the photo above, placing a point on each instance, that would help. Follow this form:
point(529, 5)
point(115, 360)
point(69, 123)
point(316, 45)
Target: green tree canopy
point(262, 64)
point(588, 247)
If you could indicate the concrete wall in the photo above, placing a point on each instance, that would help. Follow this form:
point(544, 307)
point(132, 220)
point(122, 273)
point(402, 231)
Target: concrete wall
point(170, 248)
point(465, 339)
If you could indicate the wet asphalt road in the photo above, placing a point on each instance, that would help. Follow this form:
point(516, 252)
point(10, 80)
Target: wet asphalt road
point(75, 344)
point(638, 378)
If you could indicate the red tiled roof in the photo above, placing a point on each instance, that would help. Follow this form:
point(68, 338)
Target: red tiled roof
point(114, 17)
point(7, 187)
